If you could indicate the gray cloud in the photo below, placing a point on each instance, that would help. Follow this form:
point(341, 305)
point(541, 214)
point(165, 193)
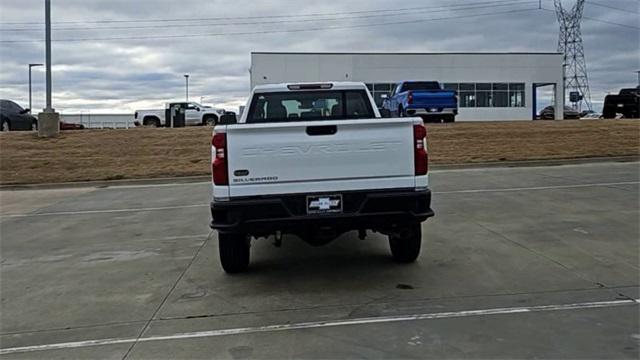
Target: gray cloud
point(123, 75)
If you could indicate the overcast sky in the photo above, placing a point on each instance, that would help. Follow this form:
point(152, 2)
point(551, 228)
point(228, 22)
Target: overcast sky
point(123, 75)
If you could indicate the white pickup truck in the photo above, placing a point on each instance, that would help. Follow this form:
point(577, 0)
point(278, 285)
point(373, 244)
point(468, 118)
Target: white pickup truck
point(316, 161)
point(194, 114)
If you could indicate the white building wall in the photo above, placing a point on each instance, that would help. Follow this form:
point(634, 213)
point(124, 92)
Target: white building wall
point(528, 68)
point(91, 120)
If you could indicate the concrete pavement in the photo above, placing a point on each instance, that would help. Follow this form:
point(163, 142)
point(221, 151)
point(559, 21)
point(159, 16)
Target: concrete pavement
point(127, 265)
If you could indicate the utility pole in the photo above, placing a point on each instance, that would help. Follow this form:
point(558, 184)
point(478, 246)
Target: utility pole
point(30, 102)
point(570, 45)
point(48, 120)
point(186, 78)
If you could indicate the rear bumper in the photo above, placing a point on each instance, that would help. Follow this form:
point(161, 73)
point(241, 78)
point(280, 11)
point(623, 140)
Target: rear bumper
point(431, 111)
point(287, 213)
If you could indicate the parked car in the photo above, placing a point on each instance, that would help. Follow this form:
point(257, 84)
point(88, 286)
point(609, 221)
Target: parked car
point(584, 113)
point(426, 99)
point(70, 126)
point(194, 114)
point(624, 105)
point(591, 116)
point(14, 117)
point(324, 164)
point(548, 113)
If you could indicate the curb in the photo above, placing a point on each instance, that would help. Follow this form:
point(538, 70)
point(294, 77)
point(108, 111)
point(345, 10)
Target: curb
point(534, 163)
point(207, 178)
point(108, 183)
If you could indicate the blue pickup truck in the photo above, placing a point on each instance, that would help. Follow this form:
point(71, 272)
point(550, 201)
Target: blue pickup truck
point(426, 99)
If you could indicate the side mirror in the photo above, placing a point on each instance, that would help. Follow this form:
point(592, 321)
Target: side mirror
point(385, 113)
point(25, 111)
point(197, 109)
point(227, 119)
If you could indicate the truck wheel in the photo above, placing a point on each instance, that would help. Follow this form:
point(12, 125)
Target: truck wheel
point(152, 121)
point(209, 121)
point(405, 248)
point(234, 252)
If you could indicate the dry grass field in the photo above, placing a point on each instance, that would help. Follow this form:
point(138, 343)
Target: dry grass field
point(151, 153)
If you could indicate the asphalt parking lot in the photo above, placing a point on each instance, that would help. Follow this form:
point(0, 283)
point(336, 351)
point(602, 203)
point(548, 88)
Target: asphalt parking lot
point(518, 262)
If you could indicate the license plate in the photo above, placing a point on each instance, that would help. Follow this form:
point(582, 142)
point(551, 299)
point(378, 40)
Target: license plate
point(324, 204)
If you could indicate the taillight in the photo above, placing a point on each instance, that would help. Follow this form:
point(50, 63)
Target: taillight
point(420, 152)
point(219, 163)
point(410, 98)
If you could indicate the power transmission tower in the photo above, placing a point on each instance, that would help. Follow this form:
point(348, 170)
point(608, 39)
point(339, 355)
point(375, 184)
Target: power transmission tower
point(570, 44)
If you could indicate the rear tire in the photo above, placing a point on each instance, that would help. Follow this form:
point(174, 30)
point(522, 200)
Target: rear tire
point(234, 252)
point(209, 120)
point(152, 121)
point(406, 249)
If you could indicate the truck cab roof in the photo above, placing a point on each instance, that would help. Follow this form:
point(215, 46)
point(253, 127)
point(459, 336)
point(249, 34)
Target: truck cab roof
point(283, 87)
point(630, 91)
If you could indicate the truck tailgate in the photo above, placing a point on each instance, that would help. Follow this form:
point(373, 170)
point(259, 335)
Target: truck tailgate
point(320, 156)
point(434, 98)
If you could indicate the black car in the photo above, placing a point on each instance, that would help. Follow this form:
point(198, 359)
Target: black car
point(548, 113)
point(14, 117)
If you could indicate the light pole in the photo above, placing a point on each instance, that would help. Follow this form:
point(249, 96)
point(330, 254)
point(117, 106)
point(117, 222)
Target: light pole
point(47, 15)
point(30, 104)
point(48, 119)
point(186, 78)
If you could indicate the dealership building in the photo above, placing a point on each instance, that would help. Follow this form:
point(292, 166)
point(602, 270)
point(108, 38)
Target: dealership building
point(490, 86)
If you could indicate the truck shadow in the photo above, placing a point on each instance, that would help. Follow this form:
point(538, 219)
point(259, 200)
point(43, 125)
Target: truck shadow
point(348, 263)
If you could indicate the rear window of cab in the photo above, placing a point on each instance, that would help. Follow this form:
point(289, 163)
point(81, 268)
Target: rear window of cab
point(290, 106)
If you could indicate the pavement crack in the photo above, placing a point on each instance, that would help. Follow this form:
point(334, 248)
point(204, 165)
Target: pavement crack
point(375, 300)
point(542, 255)
point(626, 297)
point(68, 328)
point(175, 284)
point(396, 353)
point(382, 301)
point(581, 181)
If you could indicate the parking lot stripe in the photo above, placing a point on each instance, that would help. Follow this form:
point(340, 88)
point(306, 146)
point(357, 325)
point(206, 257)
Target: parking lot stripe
point(325, 324)
point(468, 191)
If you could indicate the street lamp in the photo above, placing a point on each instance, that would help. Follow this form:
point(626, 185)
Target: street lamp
point(47, 21)
point(48, 119)
point(186, 78)
point(30, 66)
